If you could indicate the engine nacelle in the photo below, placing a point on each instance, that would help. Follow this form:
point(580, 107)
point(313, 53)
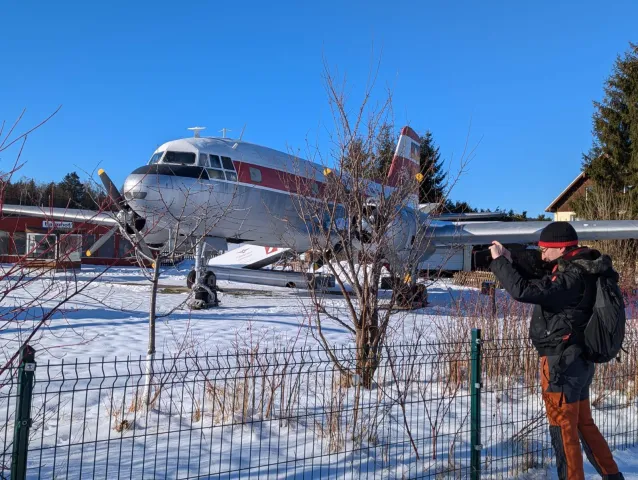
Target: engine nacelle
point(408, 241)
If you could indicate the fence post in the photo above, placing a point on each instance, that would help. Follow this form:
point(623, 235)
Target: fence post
point(23, 413)
point(475, 416)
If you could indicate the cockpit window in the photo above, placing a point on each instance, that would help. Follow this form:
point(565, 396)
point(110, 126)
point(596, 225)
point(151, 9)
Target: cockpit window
point(228, 163)
point(180, 158)
point(214, 161)
point(203, 160)
point(155, 158)
point(221, 169)
point(215, 174)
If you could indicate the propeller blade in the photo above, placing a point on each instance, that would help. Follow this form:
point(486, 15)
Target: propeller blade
point(134, 225)
point(144, 248)
point(111, 189)
point(101, 241)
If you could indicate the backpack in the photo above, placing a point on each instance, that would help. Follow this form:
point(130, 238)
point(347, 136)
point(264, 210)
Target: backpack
point(605, 331)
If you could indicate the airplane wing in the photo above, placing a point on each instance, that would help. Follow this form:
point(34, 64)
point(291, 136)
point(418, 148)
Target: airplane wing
point(63, 214)
point(527, 232)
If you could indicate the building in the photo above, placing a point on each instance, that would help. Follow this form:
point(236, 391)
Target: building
point(560, 207)
point(52, 241)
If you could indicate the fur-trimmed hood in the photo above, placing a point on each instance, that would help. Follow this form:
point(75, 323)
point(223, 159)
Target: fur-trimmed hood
point(592, 261)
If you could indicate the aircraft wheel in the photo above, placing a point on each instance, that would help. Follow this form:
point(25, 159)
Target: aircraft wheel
point(210, 280)
point(190, 279)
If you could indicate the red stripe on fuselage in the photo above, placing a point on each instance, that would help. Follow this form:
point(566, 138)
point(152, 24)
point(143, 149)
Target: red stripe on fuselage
point(277, 179)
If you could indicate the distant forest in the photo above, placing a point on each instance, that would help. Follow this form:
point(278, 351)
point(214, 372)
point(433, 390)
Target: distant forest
point(68, 193)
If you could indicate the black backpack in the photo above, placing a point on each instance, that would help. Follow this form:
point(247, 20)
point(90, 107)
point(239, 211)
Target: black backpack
point(605, 331)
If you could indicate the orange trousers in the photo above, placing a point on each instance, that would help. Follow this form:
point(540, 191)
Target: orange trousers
point(571, 423)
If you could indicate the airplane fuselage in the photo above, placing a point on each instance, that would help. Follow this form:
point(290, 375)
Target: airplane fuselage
point(236, 191)
point(204, 186)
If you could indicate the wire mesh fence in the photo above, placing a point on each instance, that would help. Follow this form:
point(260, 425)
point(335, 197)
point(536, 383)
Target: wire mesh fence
point(294, 414)
point(515, 430)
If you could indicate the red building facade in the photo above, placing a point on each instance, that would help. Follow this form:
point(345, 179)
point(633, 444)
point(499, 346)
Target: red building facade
point(37, 238)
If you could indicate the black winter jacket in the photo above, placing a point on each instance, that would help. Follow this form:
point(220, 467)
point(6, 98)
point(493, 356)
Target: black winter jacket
point(564, 297)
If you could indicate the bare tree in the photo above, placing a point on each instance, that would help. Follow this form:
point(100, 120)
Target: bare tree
point(605, 203)
point(30, 294)
point(361, 229)
point(193, 215)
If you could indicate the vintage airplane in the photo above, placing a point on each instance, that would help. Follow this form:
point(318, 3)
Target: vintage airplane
point(224, 191)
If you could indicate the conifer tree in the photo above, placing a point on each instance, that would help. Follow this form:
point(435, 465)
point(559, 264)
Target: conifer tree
point(384, 150)
point(72, 189)
point(432, 188)
point(612, 161)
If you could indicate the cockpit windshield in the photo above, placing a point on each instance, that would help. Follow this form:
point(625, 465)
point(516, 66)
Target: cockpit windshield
point(155, 158)
point(180, 158)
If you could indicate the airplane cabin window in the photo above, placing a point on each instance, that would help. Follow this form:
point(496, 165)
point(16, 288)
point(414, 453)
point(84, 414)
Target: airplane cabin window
point(228, 163)
point(180, 158)
point(155, 158)
point(215, 174)
point(214, 161)
point(255, 175)
point(203, 160)
point(231, 176)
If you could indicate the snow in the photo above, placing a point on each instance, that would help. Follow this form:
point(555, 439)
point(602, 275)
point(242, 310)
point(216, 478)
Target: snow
point(113, 313)
point(627, 461)
point(110, 320)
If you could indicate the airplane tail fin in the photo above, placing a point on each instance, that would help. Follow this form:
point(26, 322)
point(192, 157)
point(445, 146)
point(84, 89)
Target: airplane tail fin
point(405, 162)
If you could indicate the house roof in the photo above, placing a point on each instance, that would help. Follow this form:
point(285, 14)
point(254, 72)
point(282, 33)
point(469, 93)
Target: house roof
point(565, 193)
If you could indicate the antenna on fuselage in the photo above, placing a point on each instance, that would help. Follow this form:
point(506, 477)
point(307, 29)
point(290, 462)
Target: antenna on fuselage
point(196, 130)
point(234, 147)
point(224, 130)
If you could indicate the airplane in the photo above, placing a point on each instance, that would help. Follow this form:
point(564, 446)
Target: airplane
point(223, 190)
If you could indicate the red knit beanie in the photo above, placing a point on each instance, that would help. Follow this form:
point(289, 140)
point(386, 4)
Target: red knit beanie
point(558, 235)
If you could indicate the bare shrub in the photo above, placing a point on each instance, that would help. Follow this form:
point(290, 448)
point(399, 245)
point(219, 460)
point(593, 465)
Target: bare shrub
point(330, 427)
point(605, 203)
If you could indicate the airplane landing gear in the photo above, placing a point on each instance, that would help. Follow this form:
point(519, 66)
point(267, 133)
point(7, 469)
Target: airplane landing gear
point(411, 296)
point(205, 292)
point(203, 283)
point(408, 295)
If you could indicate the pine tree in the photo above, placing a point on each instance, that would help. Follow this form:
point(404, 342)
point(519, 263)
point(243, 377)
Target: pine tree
point(72, 189)
point(384, 151)
point(612, 161)
point(432, 188)
point(358, 160)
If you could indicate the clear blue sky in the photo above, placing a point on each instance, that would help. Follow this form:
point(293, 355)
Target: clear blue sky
point(132, 75)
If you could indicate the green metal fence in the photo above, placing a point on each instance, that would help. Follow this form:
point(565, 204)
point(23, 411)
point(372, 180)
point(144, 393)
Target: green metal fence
point(467, 409)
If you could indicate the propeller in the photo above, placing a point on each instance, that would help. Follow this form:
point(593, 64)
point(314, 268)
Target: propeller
point(112, 191)
point(130, 220)
point(101, 241)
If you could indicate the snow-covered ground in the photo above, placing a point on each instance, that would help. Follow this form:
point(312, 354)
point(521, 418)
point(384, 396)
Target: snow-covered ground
point(181, 436)
point(627, 461)
point(110, 318)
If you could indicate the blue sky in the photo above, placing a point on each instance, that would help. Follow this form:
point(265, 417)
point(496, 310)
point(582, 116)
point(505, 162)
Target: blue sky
point(132, 75)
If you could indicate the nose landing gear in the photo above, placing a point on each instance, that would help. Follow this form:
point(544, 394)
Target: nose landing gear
point(203, 282)
point(205, 293)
